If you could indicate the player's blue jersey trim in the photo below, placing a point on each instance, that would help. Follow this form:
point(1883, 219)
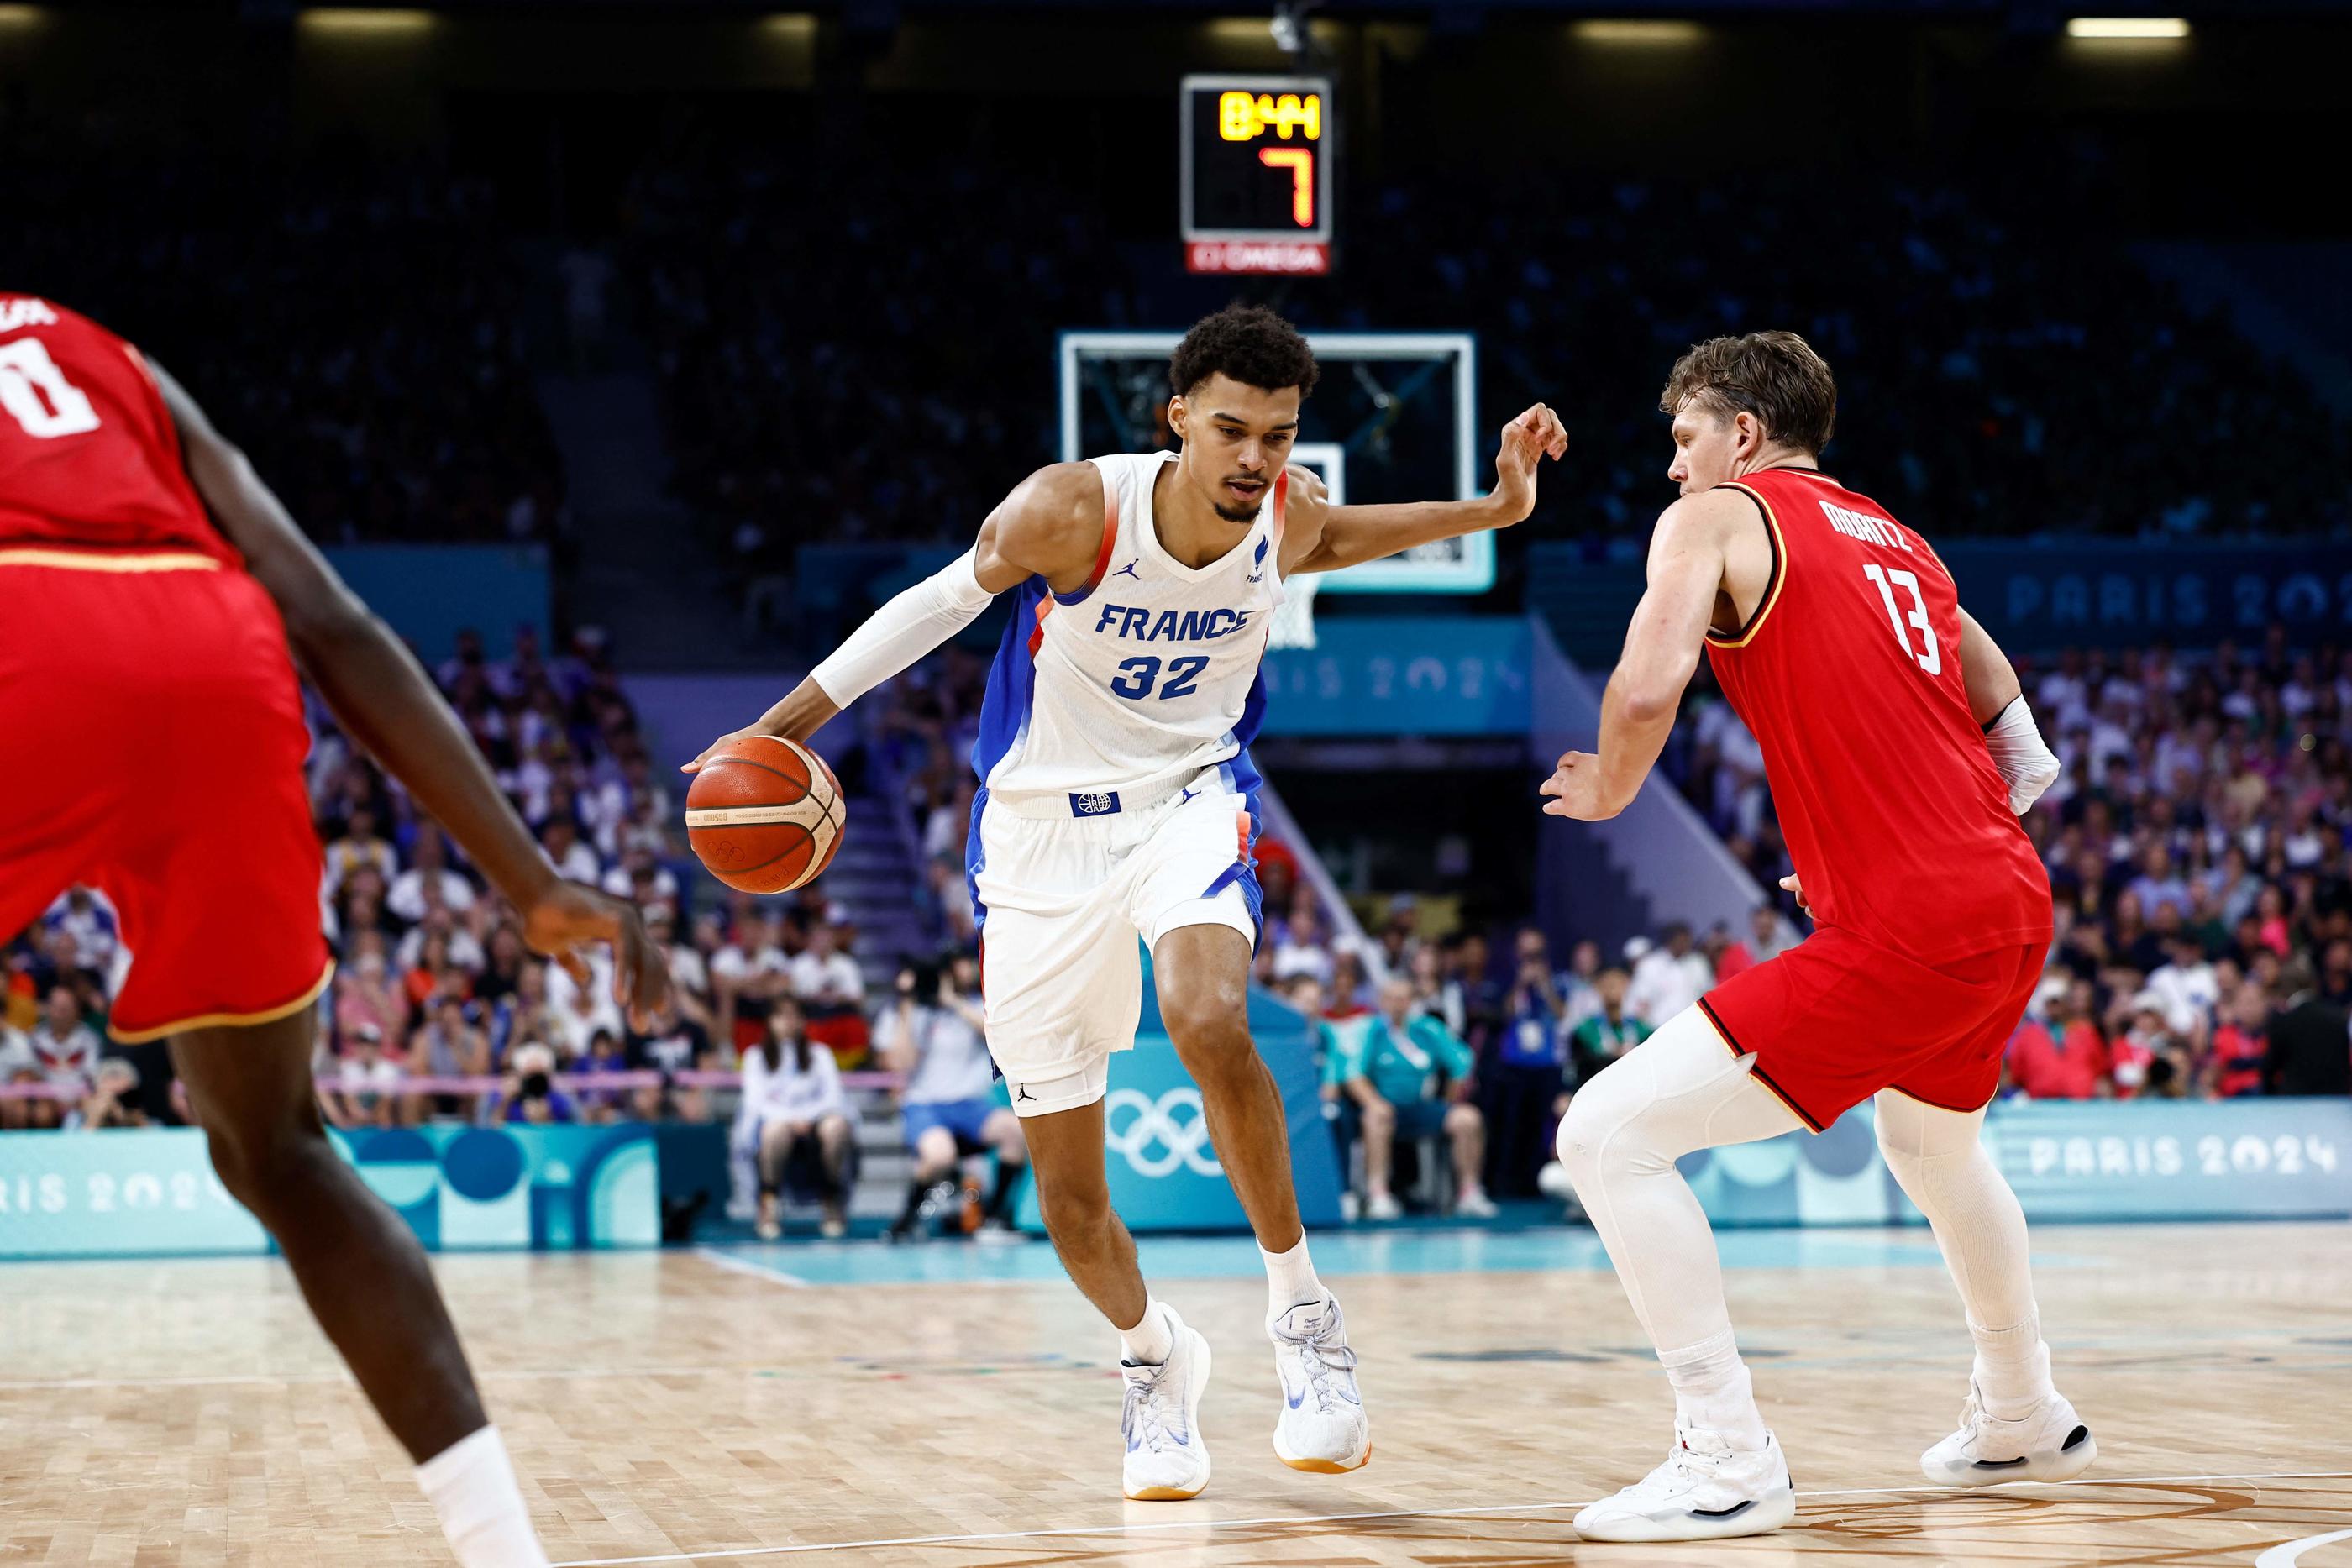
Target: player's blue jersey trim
point(1012, 684)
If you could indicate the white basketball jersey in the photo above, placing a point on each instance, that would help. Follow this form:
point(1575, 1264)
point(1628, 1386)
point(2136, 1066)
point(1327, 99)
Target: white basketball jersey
point(1144, 676)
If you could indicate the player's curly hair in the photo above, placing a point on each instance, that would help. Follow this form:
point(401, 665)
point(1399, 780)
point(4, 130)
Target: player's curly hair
point(1248, 342)
point(1775, 376)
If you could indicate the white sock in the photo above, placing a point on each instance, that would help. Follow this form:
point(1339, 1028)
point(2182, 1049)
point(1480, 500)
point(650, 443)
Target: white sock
point(1151, 1342)
point(1711, 1389)
point(1290, 1278)
point(471, 1486)
point(2012, 1369)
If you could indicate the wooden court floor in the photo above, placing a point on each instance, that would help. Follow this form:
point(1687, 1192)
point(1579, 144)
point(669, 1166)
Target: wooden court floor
point(727, 1407)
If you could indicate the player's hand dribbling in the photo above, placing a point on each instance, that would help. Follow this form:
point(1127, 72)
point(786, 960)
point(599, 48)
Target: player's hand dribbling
point(1526, 441)
point(796, 719)
point(1576, 788)
point(567, 917)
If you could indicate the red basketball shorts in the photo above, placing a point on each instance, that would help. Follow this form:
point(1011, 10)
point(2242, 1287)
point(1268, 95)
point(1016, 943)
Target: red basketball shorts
point(1837, 1017)
point(154, 742)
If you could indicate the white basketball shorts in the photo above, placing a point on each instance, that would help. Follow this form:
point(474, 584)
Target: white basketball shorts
point(1064, 891)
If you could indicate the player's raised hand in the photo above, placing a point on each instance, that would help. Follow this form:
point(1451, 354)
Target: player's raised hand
point(567, 917)
point(1576, 789)
point(1526, 441)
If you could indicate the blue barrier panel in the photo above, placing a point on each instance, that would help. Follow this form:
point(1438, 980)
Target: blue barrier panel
point(1384, 674)
point(2033, 595)
point(2118, 592)
point(428, 593)
point(2086, 1160)
point(115, 1194)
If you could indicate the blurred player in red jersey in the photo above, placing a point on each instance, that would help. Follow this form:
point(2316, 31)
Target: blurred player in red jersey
point(1900, 753)
point(153, 587)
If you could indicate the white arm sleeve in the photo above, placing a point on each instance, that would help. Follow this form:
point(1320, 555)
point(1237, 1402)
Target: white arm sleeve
point(903, 631)
point(2026, 765)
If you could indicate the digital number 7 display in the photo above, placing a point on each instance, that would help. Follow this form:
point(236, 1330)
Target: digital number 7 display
point(1257, 173)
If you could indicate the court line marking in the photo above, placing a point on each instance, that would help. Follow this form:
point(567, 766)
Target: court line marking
point(743, 1551)
point(2284, 1554)
point(734, 1265)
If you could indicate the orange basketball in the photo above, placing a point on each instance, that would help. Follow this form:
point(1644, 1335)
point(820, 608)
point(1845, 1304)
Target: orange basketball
point(765, 815)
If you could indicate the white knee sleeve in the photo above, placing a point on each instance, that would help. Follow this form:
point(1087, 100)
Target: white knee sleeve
point(1679, 1089)
point(1944, 1171)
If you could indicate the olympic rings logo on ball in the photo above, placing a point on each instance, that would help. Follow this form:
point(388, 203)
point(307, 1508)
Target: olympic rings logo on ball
point(1156, 1126)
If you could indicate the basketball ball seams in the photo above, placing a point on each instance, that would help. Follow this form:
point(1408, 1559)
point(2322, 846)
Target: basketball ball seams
point(801, 843)
point(806, 811)
point(803, 784)
point(755, 837)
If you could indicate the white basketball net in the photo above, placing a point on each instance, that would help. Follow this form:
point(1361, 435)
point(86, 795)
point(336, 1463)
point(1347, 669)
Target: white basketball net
point(1293, 619)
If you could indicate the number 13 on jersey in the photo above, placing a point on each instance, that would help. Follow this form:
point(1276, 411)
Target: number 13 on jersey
point(1930, 658)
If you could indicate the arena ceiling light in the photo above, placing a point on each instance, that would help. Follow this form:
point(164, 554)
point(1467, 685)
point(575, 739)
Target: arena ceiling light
point(2127, 27)
point(1645, 33)
point(366, 19)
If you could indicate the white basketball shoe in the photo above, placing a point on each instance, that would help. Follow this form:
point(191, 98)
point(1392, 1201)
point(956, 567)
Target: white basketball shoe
point(1322, 1426)
point(1165, 1460)
point(1707, 1491)
point(2048, 1444)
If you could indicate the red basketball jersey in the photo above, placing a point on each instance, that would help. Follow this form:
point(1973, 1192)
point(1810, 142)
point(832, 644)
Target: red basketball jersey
point(89, 457)
point(1849, 674)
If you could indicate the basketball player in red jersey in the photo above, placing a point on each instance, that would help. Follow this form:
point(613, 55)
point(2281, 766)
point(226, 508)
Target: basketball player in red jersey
point(153, 587)
point(1900, 753)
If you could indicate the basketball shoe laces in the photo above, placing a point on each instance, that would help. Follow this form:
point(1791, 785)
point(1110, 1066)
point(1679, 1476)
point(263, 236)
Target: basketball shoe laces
point(1320, 1359)
point(1976, 1421)
point(1682, 1461)
point(1149, 1420)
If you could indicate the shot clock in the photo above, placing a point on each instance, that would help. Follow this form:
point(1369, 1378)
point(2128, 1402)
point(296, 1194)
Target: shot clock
point(1257, 173)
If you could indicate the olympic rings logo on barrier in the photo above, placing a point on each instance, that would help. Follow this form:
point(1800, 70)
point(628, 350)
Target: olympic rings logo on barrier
point(1157, 1125)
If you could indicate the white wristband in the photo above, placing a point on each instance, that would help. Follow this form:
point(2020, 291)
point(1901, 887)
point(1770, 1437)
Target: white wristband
point(2026, 765)
point(904, 629)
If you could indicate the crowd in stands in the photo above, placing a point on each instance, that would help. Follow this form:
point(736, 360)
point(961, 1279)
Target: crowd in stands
point(358, 328)
point(1975, 341)
point(433, 982)
point(906, 416)
point(2196, 844)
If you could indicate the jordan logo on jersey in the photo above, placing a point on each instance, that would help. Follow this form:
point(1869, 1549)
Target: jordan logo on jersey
point(1128, 571)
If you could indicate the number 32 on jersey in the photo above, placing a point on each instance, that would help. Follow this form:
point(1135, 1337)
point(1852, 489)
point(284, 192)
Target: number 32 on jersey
point(1137, 676)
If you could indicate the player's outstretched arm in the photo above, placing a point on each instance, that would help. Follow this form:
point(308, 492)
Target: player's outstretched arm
point(388, 705)
point(1662, 649)
point(1050, 525)
point(1996, 702)
point(1353, 535)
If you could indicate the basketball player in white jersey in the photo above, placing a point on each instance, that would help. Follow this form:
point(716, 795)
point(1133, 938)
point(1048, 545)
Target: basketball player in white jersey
point(1118, 801)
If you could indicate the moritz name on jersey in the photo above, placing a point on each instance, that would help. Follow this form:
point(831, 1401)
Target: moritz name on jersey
point(1864, 527)
point(1171, 626)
